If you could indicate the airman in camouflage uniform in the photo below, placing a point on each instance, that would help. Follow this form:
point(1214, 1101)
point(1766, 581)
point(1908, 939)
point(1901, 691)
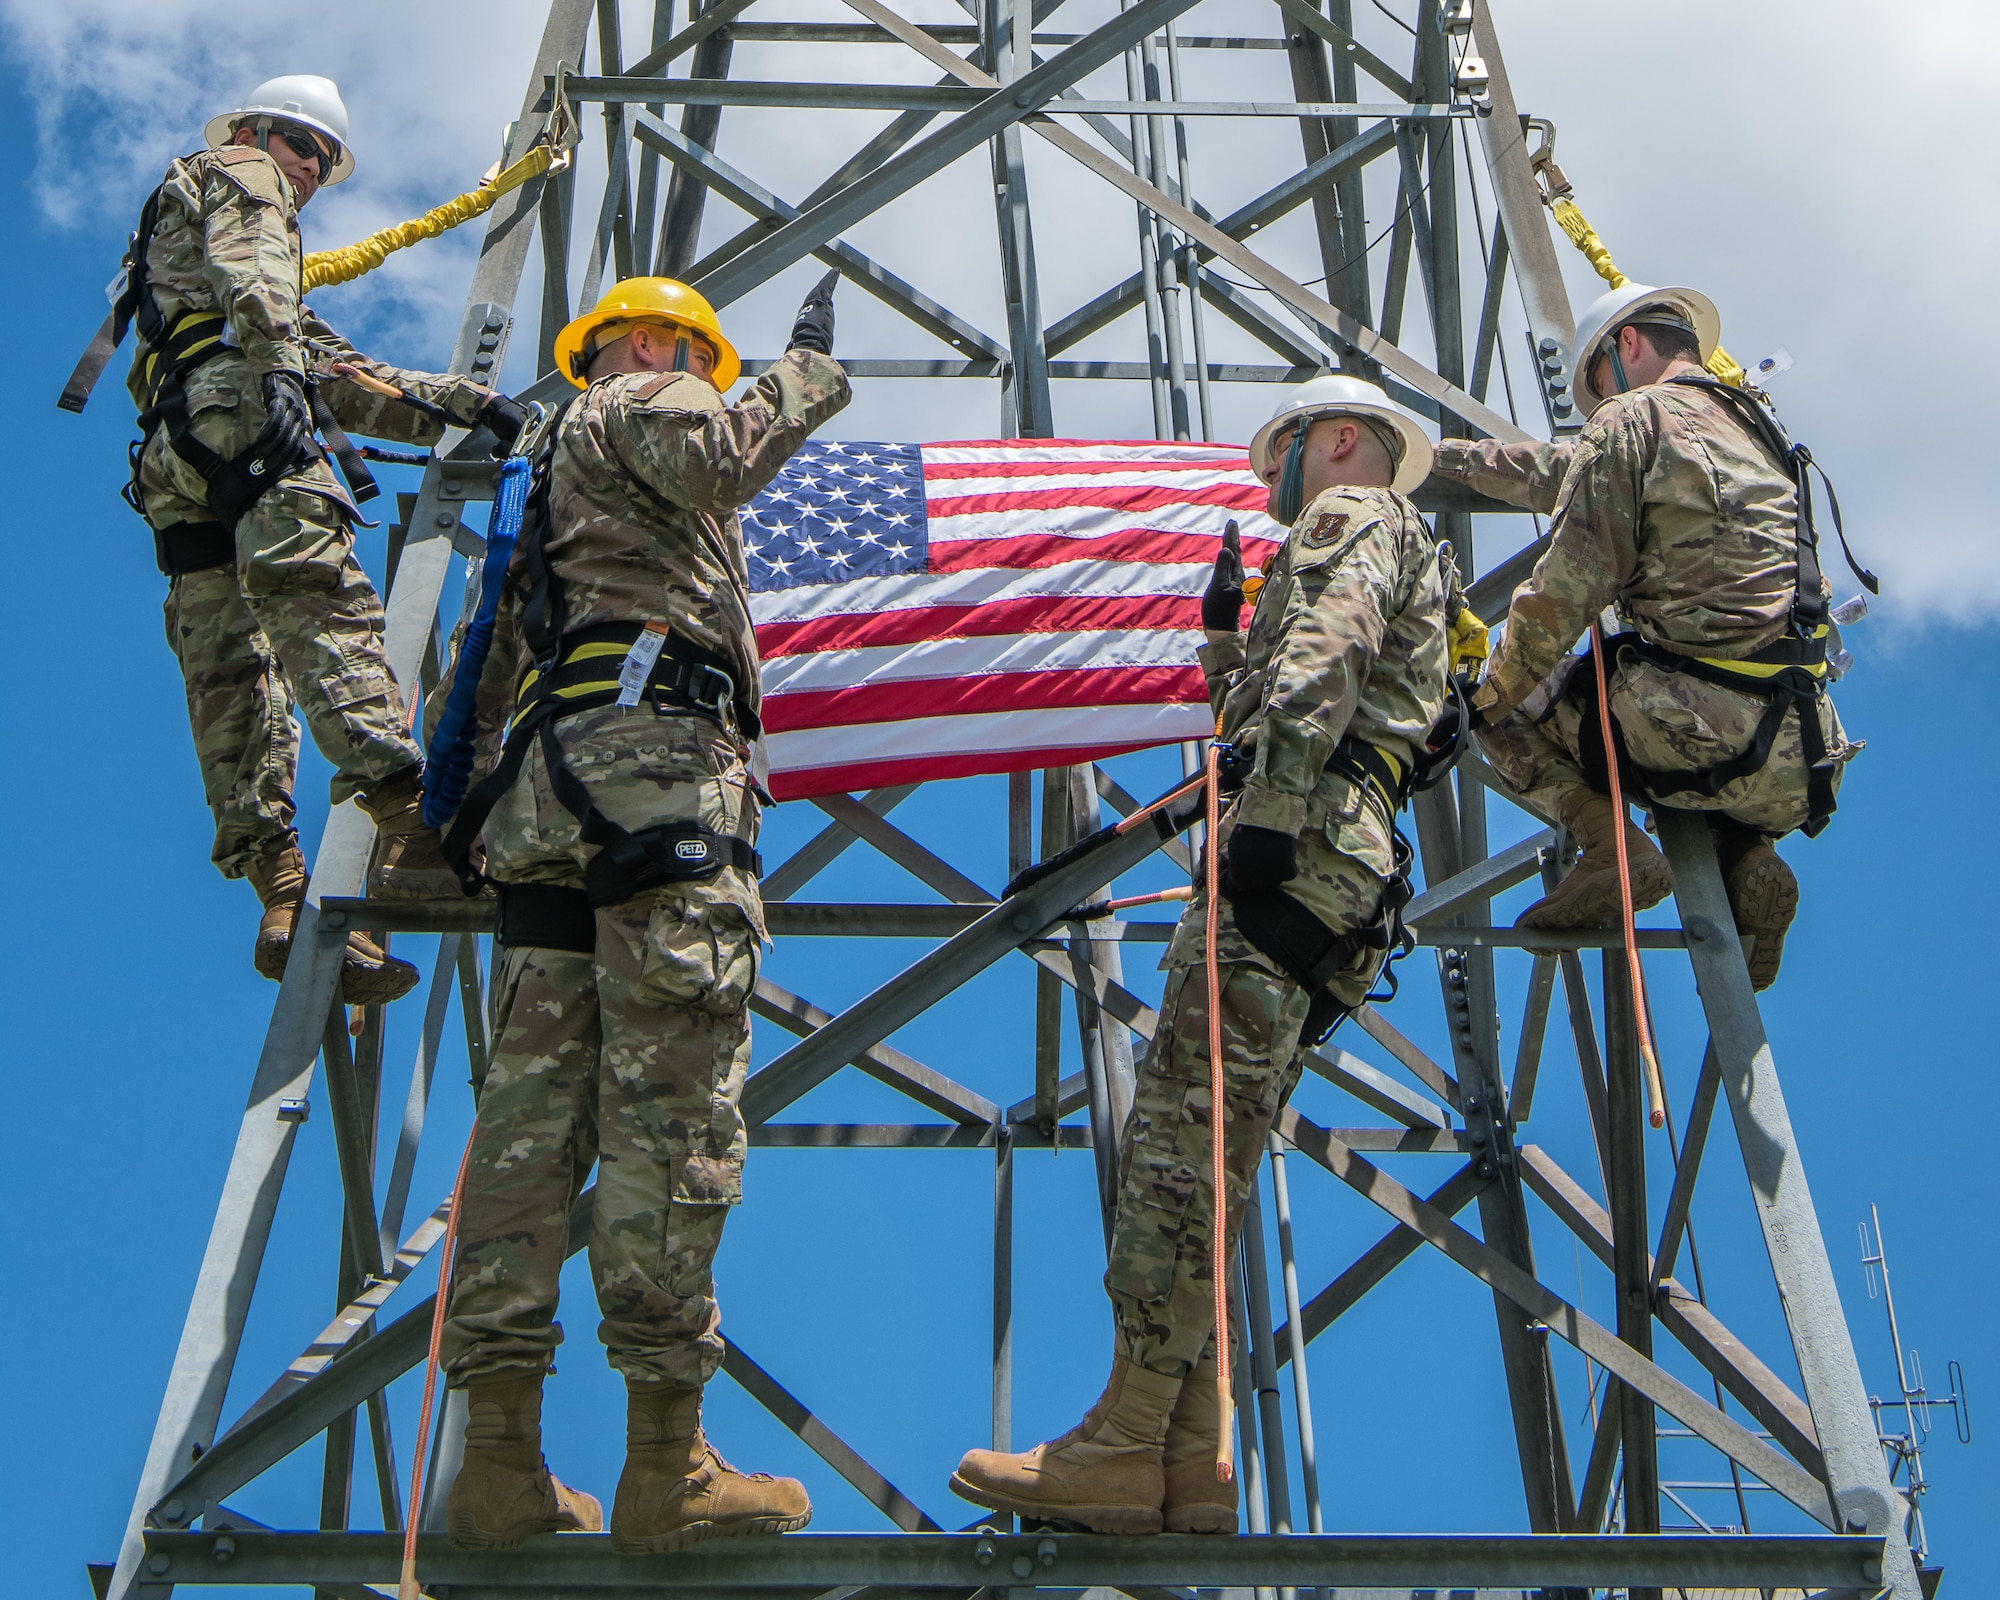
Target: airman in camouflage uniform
point(1346, 647)
point(631, 1049)
point(276, 614)
point(1670, 509)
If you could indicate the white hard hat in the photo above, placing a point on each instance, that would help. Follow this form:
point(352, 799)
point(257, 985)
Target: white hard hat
point(1337, 394)
point(300, 97)
point(1618, 308)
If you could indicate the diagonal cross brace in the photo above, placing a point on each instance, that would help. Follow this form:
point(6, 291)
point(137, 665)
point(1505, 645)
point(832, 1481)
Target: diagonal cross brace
point(1761, 1391)
point(1275, 202)
point(884, 1063)
point(1336, 325)
point(1012, 923)
point(921, 863)
point(937, 150)
point(835, 1451)
point(825, 847)
point(1559, 1316)
point(1374, 1264)
point(747, 194)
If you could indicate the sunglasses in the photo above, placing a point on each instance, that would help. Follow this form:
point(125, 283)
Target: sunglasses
point(307, 148)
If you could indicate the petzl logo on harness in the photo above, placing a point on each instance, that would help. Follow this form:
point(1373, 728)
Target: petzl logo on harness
point(692, 849)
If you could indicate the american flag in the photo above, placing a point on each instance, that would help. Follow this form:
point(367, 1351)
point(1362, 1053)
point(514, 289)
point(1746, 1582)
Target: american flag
point(937, 610)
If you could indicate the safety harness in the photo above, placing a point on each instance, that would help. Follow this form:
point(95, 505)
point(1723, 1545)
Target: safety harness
point(612, 663)
point(172, 352)
point(1313, 954)
point(1788, 675)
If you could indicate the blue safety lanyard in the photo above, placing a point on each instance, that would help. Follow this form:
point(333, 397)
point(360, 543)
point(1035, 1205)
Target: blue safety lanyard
point(448, 761)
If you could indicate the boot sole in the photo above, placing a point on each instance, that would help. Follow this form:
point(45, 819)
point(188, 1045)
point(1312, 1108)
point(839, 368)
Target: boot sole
point(377, 986)
point(1199, 1518)
point(269, 957)
point(698, 1532)
point(1093, 1519)
point(1764, 903)
point(468, 1535)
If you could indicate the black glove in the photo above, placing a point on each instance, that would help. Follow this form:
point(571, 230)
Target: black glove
point(1483, 708)
point(505, 417)
point(814, 329)
point(1222, 605)
point(288, 420)
point(1258, 860)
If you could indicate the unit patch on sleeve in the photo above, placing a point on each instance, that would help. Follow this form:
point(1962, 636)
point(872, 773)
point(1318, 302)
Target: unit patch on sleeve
point(1324, 531)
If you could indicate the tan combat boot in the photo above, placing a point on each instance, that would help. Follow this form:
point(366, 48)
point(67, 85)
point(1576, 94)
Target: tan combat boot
point(1588, 897)
point(280, 882)
point(676, 1491)
point(1106, 1475)
point(408, 862)
point(1763, 896)
point(368, 976)
point(504, 1490)
point(1196, 1501)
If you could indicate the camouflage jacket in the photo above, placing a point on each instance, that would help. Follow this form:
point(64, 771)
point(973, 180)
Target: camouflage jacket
point(1667, 507)
point(227, 240)
point(648, 471)
point(1348, 638)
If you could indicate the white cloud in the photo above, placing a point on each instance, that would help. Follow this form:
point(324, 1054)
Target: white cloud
point(1822, 169)
point(118, 87)
point(1769, 153)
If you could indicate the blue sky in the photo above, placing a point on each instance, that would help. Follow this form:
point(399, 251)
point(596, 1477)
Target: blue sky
point(861, 1280)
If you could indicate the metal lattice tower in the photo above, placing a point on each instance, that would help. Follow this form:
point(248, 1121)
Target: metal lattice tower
point(1447, 138)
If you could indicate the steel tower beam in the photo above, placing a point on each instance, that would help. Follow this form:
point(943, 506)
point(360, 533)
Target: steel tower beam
point(1208, 242)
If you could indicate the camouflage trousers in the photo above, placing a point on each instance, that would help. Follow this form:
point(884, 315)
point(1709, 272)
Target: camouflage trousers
point(633, 1058)
point(1670, 722)
point(1160, 1276)
point(293, 624)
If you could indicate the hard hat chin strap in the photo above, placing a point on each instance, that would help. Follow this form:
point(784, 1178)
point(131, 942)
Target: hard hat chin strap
point(681, 353)
point(1292, 481)
point(264, 134)
point(1617, 365)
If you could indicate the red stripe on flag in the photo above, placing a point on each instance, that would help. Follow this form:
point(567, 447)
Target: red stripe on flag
point(806, 782)
point(993, 691)
point(1032, 614)
point(1152, 545)
point(1146, 450)
point(1052, 469)
point(1112, 497)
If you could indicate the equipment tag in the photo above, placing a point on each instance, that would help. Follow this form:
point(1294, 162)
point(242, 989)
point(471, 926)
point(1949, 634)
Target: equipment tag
point(115, 289)
point(639, 661)
point(1779, 360)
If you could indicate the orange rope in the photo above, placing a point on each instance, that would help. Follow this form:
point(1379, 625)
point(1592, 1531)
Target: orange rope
point(1655, 1091)
point(1183, 892)
point(1167, 799)
point(1225, 1451)
point(406, 1587)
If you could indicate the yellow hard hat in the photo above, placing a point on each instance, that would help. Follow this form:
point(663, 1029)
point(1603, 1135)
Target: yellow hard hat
point(647, 300)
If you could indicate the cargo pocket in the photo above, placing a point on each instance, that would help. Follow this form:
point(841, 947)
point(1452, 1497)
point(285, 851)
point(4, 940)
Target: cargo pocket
point(1363, 838)
point(699, 953)
point(357, 685)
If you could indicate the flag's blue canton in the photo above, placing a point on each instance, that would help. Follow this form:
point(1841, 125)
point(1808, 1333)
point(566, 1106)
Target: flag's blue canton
point(839, 510)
